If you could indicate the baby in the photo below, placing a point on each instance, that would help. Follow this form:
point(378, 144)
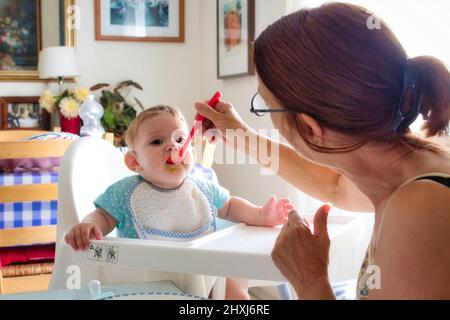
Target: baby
point(163, 201)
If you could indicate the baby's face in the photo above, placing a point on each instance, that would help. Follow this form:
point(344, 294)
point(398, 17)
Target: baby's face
point(156, 138)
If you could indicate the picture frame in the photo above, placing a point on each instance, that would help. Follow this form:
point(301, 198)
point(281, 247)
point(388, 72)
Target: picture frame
point(140, 20)
point(20, 36)
point(28, 15)
point(23, 113)
point(235, 35)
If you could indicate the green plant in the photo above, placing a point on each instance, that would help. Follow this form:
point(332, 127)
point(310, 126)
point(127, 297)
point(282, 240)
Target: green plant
point(118, 111)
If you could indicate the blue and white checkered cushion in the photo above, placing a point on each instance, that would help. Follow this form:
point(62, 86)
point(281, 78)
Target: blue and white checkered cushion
point(32, 213)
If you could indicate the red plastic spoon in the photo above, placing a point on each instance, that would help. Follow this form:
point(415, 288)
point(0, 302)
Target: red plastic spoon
point(212, 103)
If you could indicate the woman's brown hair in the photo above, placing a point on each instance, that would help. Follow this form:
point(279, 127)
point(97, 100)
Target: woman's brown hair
point(332, 64)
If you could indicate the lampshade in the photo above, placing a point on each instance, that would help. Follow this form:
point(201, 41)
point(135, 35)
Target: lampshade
point(58, 62)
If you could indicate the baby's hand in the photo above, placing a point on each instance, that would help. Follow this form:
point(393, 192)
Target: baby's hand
point(275, 212)
point(78, 238)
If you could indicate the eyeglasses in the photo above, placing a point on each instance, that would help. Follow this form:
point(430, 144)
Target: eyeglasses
point(260, 108)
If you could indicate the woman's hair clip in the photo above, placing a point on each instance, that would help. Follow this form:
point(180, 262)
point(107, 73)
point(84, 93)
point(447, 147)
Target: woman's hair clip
point(411, 84)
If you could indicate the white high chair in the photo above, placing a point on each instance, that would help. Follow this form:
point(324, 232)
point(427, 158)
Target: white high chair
point(89, 166)
point(235, 250)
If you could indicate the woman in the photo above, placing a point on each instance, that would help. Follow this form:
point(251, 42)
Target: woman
point(344, 95)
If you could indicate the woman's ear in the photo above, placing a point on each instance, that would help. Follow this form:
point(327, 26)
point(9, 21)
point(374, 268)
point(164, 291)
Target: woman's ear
point(131, 161)
point(314, 129)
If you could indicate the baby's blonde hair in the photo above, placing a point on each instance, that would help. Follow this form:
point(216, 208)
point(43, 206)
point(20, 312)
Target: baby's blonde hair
point(131, 134)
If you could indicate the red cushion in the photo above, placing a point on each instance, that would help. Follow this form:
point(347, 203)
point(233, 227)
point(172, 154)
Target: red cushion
point(14, 255)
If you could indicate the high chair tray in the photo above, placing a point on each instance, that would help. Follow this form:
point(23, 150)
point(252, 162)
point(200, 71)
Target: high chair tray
point(236, 250)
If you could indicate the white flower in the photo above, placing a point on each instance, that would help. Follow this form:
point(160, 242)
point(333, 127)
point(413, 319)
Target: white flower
point(47, 101)
point(81, 94)
point(69, 108)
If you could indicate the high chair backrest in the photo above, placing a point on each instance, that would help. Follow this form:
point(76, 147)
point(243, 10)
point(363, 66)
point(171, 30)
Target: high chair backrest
point(89, 166)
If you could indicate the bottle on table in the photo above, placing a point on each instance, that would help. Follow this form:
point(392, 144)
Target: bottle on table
point(91, 113)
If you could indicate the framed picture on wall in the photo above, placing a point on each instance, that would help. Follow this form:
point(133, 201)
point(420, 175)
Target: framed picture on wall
point(235, 34)
point(139, 20)
point(20, 37)
point(28, 26)
point(23, 113)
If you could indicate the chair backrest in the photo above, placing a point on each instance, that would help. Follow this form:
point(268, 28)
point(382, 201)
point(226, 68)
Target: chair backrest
point(17, 135)
point(12, 146)
point(89, 166)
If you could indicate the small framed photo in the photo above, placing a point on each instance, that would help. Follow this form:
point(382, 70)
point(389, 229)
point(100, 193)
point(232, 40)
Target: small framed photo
point(139, 20)
point(23, 113)
point(235, 34)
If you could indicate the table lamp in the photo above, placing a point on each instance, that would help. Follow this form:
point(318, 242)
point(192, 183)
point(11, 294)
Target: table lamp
point(58, 62)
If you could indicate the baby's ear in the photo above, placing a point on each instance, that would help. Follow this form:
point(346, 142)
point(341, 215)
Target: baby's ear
point(131, 161)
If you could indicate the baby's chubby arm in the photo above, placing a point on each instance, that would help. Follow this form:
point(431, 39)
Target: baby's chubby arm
point(93, 226)
point(273, 213)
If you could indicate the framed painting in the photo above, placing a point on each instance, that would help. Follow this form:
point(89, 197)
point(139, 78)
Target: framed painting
point(139, 20)
point(23, 113)
point(235, 34)
point(20, 35)
point(27, 26)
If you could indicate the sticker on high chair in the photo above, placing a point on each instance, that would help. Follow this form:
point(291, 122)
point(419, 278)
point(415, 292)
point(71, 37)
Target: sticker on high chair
point(103, 253)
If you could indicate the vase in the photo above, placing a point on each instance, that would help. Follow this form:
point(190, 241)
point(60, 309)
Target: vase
point(71, 125)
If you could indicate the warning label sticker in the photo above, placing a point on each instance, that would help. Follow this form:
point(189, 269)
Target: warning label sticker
point(103, 253)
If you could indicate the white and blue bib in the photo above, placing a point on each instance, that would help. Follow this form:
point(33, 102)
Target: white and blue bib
point(181, 214)
point(144, 211)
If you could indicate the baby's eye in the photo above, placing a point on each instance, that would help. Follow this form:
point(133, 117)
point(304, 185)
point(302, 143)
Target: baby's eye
point(180, 140)
point(156, 142)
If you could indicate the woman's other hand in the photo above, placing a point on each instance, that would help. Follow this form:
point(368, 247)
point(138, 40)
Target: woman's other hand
point(302, 256)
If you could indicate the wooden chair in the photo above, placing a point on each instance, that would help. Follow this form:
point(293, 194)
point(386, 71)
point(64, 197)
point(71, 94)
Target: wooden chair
point(13, 147)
